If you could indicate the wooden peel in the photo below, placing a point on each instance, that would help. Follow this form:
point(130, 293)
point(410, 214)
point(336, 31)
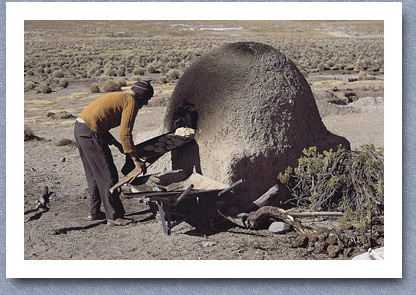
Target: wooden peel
point(128, 178)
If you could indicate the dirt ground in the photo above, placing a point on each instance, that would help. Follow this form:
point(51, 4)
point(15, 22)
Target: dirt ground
point(63, 232)
point(348, 107)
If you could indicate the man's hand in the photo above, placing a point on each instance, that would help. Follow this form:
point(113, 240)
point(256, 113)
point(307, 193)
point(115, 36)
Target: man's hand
point(139, 164)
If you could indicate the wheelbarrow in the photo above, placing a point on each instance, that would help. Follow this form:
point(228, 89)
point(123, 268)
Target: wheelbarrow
point(193, 199)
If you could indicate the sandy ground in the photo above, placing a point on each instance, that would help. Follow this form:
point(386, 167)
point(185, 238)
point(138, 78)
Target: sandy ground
point(63, 232)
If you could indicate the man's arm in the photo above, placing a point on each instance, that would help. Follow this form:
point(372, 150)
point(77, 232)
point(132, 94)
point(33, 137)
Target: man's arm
point(112, 141)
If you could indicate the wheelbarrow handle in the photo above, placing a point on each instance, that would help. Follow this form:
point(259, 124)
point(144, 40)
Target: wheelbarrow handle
point(183, 195)
point(231, 187)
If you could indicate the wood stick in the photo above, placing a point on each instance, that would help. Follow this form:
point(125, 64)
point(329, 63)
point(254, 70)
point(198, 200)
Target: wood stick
point(267, 196)
point(255, 218)
point(316, 214)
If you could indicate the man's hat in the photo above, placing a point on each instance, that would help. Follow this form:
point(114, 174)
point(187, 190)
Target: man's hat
point(143, 89)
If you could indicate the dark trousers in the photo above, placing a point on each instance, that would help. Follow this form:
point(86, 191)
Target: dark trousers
point(100, 171)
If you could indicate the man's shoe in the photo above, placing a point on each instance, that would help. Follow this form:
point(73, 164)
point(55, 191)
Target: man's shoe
point(118, 222)
point(99, 216)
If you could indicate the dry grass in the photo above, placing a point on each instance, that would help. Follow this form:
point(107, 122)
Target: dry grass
point(117, 48)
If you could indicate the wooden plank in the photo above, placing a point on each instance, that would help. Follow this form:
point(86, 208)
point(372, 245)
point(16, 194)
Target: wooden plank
point(129, 177)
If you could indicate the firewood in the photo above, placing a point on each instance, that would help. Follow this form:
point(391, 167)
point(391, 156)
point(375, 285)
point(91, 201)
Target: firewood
point(254, 218)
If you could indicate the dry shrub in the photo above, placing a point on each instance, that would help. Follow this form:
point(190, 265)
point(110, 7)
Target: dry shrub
point(44, 88)
point(158, 102)
point(138, 71)
point(342, 180)
point(93, 70)
point(349, 67)
point(111, 86)
point(39, 70)
point(173, 74)
point(94, 88)
point(136, 78)
point(171, 65)
point(362, 76)
point(110, 71)
point(63, 83)
point(163, 80)
point(121, 73)
point(58, 74)
point(121, 82)
point(151, 68)
point(66, 142)
point(30, 85)
point(29, 133)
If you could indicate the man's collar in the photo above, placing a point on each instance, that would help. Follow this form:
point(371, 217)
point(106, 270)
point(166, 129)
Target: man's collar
point(132, 93)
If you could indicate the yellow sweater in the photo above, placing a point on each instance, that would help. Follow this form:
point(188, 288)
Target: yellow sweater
point(112, 110)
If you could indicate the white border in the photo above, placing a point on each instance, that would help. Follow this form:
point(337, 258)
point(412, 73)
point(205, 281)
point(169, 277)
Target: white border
point(17, 267)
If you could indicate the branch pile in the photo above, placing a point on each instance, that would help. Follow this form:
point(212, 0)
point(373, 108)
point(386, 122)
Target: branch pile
point(342, 180)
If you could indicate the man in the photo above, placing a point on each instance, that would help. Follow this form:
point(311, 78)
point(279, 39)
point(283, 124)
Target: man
point(93, 139)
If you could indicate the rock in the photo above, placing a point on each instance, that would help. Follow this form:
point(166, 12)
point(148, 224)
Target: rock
point(333, 250)
point(207, 244)
point(313, 238)
point(348, 251)
point(380, 241)
point(63, 159)
point(320, 247)
point(322, 237)
point(279, 227)
point(332, 239)
point(300, 242)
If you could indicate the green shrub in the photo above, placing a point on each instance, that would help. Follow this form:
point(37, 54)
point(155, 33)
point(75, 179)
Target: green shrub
point(111, 86)
point(342, 180)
